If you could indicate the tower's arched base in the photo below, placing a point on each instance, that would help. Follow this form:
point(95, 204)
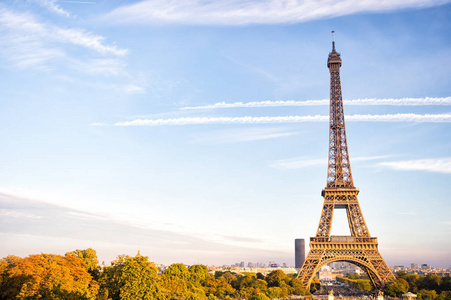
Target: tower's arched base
point(362, 252)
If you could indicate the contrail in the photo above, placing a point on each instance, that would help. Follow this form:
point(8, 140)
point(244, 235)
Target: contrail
point(434, 118)
point(365, 101)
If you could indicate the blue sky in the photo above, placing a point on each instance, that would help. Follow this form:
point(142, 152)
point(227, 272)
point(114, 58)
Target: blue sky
point(197, 131)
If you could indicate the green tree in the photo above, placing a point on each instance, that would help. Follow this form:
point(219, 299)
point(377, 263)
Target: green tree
point(198, 274)
point(297, 288)
point(427, 295)
point(274, 292)
point(177, 270)
point(276, 278)
point(259, 296)
point(396, 288)
point(139, 279)
point(445, 295)
point(89, 256)
point(430, 282)
point(445, 284)
point(110, 279)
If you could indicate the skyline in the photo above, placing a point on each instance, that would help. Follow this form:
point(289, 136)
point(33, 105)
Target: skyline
point(197, 132)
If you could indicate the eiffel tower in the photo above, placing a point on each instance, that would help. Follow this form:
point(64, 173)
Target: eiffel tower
point(360, 248)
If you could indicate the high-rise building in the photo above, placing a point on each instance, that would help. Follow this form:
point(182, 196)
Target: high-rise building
point(299, 252)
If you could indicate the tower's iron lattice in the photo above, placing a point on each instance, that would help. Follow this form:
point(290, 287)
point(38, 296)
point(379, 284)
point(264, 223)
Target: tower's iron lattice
point(359, 248)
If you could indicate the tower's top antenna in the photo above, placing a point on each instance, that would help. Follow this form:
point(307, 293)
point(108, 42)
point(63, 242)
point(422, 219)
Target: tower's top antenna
point(333, 40)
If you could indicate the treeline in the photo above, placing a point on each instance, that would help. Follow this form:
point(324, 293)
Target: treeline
point(77, 276)
point(362, 284)
point(427, 287)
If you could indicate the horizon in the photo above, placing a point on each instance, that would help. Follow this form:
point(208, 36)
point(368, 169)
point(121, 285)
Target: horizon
point(198, 132)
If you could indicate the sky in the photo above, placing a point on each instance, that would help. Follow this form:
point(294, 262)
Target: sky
point(197, 131)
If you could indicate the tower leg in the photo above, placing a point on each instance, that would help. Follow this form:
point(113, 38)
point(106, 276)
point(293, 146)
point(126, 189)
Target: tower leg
point(364, 255)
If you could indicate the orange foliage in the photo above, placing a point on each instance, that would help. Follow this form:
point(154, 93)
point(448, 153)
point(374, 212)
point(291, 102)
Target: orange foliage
point(49, 274)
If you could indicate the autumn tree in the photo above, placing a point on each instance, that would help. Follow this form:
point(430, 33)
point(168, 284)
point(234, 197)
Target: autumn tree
point(89, 256)
point(218, 287)
point(427, 294)
point(396, 288)
point(49, 276)
point(9, 286)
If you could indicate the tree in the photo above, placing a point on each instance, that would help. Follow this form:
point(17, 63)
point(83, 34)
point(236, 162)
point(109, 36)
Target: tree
point(396, 288)
point(445, 295)
point(9, 286)
point(177, 270)
point(445, 284)
point(276, 278)
point(218, 287)
point(49, 276)
point(430, 282)
point(139, 279)
point(427, 295)
point(89, 256)
point(274, 292)
point(198, 274)
point(297, 288)
point(259, 296)
point(110, 279)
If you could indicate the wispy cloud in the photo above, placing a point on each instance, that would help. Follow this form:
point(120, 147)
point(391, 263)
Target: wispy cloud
point(17, 214)
point(26, 42)
point(53, 7)
point(242, 135)
point(241, 12)
point(287, 119)
point(302, 162)
point(368, 101)
point(46, 221)
point(436, 165)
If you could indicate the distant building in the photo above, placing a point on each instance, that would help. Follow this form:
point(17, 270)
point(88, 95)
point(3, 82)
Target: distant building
point(299, 252)
point(242, 264)
point(325, 274)
point(414, 266)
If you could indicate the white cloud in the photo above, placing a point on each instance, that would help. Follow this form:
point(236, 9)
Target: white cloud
point(241, 12)
point(53, 7)
point(133, 89)
point(436, 165)
point(29, 43)
point(287, 119)
point(242, 135)
point(222, 120)
point(107, 66)
point(97, 124)
point(17, 214)
point(370, 101)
